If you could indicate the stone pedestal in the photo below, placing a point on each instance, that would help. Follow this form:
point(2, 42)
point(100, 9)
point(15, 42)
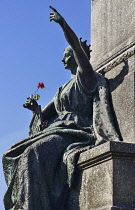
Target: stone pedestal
point(105, 178)
point(113, 53)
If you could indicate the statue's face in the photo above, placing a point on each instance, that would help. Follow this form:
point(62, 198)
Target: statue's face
point(68, 59)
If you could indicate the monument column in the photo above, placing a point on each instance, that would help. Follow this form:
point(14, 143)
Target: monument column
point(113, 53)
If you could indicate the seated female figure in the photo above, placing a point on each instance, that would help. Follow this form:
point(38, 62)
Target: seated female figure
point(38, 169)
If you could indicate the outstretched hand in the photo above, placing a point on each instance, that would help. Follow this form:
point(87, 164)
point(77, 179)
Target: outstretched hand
point(30, 104)
point(55, 16)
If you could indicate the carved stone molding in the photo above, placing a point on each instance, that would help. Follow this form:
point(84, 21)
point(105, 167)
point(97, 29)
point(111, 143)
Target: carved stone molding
point(127, 47)
point(109, 150)
point(116, 60)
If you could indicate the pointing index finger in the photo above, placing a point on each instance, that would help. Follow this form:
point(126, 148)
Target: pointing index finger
point(53, 8)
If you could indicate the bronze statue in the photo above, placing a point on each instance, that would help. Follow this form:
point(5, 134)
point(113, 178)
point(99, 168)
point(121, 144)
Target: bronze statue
point(39, 170)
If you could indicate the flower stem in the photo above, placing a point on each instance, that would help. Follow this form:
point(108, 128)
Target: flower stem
point(35, 92)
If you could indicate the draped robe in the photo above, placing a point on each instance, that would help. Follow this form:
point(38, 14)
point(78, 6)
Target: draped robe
point(40, 169)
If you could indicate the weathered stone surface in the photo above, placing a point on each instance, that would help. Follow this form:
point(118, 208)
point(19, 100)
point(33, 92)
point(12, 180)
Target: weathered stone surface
point(112, 28)
point(105, 178)
point(113, 52)
point(122, 85)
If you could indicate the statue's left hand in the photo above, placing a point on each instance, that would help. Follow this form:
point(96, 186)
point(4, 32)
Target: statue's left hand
point(30, 104)
point(56, 16)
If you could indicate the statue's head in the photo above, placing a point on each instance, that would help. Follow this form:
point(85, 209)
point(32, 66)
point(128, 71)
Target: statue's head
point(68, 58)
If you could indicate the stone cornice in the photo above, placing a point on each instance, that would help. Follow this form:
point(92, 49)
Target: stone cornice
point(105, 152)
point(116, 59)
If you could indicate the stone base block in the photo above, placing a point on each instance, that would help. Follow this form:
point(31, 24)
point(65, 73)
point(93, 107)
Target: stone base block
point(105, 178)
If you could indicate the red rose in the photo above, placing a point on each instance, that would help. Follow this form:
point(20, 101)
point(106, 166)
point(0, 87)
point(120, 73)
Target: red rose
point(40, 85)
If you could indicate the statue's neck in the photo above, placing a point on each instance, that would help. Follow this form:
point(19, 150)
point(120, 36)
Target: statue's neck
point(73, 72)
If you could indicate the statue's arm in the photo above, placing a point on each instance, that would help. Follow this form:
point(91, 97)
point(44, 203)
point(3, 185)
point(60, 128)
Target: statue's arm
point(80, 56)
point(49, 111)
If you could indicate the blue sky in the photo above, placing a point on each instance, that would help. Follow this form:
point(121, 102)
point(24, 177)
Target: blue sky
point(31, 49)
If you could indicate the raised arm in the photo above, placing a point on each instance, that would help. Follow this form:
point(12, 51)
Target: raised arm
point(80, 56)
